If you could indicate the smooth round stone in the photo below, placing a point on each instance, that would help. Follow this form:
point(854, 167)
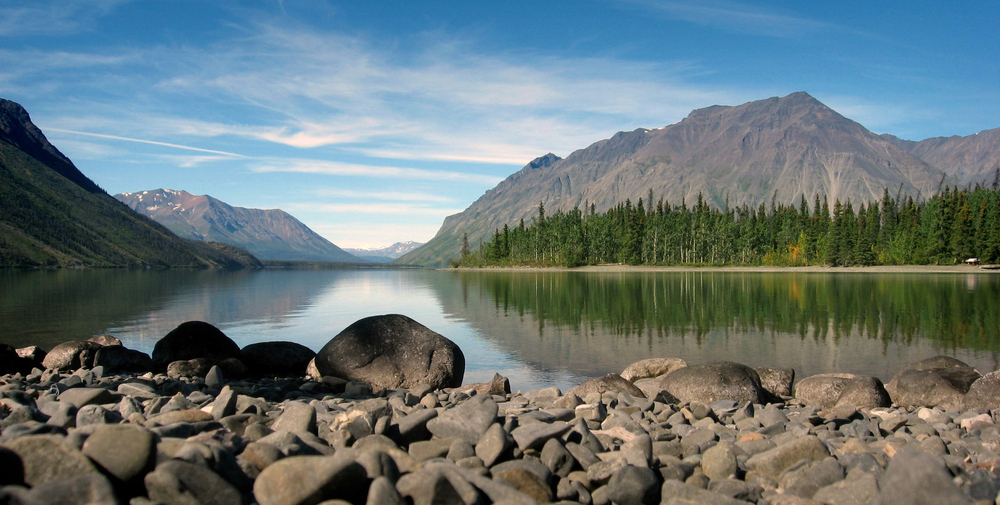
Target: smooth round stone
point(124, 451)
point(719, 461)
point(633, 485)
point(309, 479)
point(49, 457)
point(80, 397)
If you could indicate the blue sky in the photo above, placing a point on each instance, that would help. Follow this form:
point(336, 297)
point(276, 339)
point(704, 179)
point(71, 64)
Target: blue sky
point(372, 121)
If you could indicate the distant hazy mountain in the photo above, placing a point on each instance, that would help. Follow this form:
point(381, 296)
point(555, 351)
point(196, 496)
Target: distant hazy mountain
point(778, 148)
point(385, 254)
point(53, 215)
point(268, 234)
point(973, 160)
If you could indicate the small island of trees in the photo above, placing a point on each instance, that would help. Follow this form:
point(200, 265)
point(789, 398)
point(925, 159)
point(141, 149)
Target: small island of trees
point(950, 227)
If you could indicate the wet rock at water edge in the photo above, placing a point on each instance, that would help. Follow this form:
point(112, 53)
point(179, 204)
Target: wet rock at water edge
point(191, 340)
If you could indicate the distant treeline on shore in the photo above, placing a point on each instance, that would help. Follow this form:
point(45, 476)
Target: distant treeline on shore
point(954, 225)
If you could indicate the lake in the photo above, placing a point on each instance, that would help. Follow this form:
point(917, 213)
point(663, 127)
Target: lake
point(540, 328)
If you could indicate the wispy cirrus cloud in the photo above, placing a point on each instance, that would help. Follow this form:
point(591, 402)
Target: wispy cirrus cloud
point(737, 16)
point(150, 142)
point(397, 196)
point(359, 170)
point(59, 18)
point(392, 209)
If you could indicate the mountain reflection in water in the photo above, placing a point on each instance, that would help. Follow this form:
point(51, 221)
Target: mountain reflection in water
point(540, 328)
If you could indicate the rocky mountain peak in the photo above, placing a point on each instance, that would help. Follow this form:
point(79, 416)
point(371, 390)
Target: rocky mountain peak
point(17, 129)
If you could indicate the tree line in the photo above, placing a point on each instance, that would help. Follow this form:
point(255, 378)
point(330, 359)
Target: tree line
point(948, 228)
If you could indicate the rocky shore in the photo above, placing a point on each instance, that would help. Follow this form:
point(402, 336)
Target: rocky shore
point(82, 424)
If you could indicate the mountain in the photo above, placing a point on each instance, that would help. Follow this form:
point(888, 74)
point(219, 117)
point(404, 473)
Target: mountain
point(777, 149)
point(974, 159)
point(51, 214)
point(385, 254)
point(269, 234)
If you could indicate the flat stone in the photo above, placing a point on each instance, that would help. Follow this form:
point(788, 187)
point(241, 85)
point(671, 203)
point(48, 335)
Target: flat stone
point(468, 421)
point(435, 484)
point(555, 456)
point(310, 479)
point(96, 414)
point(124, 451)
point(680, 493)
point(534, 436)
point(413, 427)
point(772, 462)
point(179, 416)
point(92, 489)
point(857, 489)
point(79, 397)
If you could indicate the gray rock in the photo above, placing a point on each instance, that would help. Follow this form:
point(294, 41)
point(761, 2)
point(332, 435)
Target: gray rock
point(984, 392)
point(413, 427)
point(468, 421)
point(179, 482)
point(864, 393)
point(106, 340)
point(715, 381)
point(91, 489)
point(126, 452)
point(433, 484)
point(945, 387)
point(679, 493)
point(383, 492)
point(652, 367)
point(71, 355)
point(49, 457)
point(225, 403)
point(526, 482)
point(493, 445)
point(190, 340)
point(822, 390)
point(297, 417)
point(310, 479)
point(719, 461)
point(392, 351)
point(214, 378)
point(857, 489)
point(138, 390)
point(79, 397)
point(772, 462)
point(634, 486)
point(610, 382)
point(118, 359)
point(557, 458)
point(96, 414)
point(499, 385)
point(430, 449)
point(805, 480)
point(197, 367)
point(914, 477)
point(534, 436)
point(777, 381)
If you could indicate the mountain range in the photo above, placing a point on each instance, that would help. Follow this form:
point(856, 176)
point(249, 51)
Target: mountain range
point(51, 214)
point(385, 254)
point(778, 149)
point(270, 234)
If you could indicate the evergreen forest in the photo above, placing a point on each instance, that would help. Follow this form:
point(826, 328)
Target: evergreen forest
point(952, 226)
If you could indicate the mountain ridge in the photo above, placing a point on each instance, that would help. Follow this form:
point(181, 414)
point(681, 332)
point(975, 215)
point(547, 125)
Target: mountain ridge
point(270, 234)
point(776, 149)
point(43, 197)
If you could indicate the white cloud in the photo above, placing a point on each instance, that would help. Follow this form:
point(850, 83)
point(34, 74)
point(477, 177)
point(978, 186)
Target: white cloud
point(353, 169)
point(737, 16)
point(41, 18)
point(398, 196)
point(355, 235)
point(399, 209)
point(151, 142)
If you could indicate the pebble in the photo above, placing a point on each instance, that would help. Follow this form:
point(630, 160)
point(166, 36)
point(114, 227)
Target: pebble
point(145, 438)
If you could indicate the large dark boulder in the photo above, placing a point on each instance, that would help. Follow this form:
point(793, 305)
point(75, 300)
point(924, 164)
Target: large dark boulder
point(190, 340)
point(712, 382)
point(836, 389)
point(392, 351)
point(72, 355)
point(277, 358)
point(118, 359)
point(945, 387)
point(924, 364)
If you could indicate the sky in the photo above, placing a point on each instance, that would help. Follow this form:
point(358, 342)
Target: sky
point(372, 121)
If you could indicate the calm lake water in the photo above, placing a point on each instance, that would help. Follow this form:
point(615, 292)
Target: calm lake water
point(540, 328)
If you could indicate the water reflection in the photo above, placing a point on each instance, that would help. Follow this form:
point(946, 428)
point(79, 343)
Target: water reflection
point(539, 328)
point(593, 323)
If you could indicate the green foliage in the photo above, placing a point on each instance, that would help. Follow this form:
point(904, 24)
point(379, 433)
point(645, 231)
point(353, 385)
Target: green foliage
point(948, 228)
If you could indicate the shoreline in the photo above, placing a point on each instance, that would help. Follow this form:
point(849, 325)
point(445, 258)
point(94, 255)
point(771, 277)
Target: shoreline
point(619, 268)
